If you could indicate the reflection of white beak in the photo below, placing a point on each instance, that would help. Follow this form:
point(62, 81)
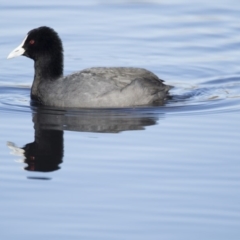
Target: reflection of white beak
point(17, 51)
point(15, 150)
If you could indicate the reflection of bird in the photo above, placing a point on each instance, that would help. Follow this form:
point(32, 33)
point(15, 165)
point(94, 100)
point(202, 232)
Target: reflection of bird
point(44, 154)
point(93, 87)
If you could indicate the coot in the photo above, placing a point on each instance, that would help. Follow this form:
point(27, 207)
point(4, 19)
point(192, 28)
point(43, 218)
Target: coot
point(89, 88)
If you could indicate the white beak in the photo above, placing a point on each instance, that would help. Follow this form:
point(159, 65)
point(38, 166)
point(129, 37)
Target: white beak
point(18, 51)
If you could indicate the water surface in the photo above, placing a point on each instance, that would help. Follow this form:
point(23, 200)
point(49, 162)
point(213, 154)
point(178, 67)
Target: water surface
point(159, 172)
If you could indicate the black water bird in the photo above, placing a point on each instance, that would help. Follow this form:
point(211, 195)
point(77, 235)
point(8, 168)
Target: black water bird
point(90, 88)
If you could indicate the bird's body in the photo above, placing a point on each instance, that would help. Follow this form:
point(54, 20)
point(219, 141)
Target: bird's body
point(103, 87)
point(89, 88)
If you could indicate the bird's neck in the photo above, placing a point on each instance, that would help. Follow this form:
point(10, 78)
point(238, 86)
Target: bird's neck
point(46, 69)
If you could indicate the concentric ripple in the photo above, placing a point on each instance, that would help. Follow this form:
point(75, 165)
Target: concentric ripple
point(14, 98)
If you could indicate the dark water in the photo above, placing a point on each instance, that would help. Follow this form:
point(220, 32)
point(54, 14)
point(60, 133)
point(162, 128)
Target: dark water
point(162, 172)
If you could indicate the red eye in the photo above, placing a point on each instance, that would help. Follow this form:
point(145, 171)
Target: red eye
point(32, 42)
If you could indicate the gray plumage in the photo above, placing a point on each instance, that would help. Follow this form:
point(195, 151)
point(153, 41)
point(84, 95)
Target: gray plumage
point(104, 87)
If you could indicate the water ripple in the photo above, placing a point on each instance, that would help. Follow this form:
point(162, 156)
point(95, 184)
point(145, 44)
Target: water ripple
point(210, 96)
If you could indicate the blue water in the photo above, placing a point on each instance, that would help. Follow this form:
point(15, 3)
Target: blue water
point(163, 172)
